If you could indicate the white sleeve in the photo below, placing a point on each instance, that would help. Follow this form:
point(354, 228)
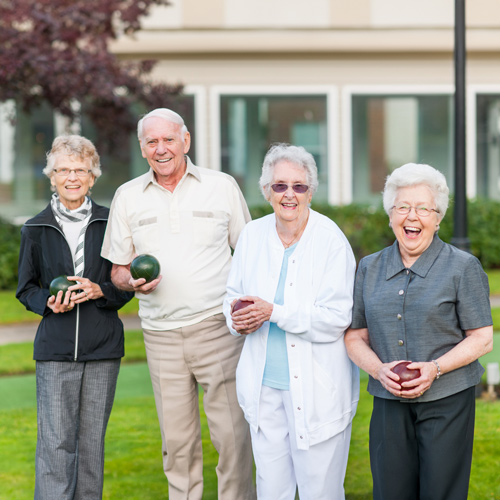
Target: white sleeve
point(234, 287)
point(118, 246)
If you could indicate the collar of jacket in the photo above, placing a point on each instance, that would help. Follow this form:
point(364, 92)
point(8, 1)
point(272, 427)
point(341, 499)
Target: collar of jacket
point(46, 216)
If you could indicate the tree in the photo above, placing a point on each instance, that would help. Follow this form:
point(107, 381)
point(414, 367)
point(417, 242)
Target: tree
point(57, 51)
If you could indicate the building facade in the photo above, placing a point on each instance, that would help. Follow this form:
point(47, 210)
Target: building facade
point(364, 85)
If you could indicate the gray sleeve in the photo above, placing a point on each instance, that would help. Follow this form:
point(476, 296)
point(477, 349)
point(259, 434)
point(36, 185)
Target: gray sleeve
point(358, 310)
point(473, 297)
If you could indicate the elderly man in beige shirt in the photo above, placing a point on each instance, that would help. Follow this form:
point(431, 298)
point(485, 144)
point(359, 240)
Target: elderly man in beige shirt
point(188, 218)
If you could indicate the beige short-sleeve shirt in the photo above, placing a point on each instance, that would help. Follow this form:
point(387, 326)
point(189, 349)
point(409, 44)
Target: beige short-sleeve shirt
point(190, 231)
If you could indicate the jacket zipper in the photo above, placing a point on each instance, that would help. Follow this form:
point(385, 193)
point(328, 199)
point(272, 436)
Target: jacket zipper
point(77, 327)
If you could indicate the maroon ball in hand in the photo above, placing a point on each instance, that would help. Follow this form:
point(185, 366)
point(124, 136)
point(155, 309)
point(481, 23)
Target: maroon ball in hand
point(404, 373)
point(241, 304)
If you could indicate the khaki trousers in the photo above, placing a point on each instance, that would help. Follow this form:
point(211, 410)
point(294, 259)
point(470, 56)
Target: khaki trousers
point(179, 360)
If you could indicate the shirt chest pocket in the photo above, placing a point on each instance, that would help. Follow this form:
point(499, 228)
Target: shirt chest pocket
point(146, 236)
point(210, 228)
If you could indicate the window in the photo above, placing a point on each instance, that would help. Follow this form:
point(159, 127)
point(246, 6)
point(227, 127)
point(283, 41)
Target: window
point(126, 162)
point(488, 146)
point(249, 124)
point(391, 130)
point(25, 190)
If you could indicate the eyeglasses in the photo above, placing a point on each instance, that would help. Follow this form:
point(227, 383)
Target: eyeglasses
point(64, 172)
point(421, 211)
point(281, 188)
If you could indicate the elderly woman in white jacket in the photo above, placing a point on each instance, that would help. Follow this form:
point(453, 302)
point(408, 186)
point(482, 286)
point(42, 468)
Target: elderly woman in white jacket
point(296, 385)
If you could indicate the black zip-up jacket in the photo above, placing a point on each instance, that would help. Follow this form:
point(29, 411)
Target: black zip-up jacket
point(92, 330)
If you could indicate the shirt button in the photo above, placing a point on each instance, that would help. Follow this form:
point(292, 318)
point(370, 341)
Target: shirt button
point(299, 408)
point(293, 345)
point(401, 342)
point(291, 284)
point(401, 292)
point(399, 316)
point(301, 437)
point(295, 376)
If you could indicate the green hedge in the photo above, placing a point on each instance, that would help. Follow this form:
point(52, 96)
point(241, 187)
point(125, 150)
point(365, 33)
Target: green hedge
point(10, 239)
point(366, 228)
point(368, 231)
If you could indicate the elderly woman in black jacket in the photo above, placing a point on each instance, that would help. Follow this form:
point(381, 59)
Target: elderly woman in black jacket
point(79, 342)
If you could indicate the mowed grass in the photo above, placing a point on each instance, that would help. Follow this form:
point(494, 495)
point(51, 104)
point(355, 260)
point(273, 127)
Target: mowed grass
point(133, 468)
point(494, 279)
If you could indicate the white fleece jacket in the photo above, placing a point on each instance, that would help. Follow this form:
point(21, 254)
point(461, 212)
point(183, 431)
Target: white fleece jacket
point(324, 383)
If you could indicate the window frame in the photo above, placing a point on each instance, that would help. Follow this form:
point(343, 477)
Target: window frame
point(331, 95)
point(350, 91)
point(473, 91)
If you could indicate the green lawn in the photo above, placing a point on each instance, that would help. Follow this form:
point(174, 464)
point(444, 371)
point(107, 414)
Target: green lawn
point(494, 279)
point(133, 467)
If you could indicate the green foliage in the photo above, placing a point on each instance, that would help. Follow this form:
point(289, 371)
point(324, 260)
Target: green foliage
point(366, 228)
point(10, 239)
point(484, 228)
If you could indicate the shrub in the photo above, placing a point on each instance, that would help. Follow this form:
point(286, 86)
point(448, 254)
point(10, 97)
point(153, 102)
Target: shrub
point(10, 239)
point(367, 228)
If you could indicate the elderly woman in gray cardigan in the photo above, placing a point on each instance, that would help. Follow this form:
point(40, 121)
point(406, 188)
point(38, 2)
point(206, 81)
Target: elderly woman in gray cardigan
point(424, 301)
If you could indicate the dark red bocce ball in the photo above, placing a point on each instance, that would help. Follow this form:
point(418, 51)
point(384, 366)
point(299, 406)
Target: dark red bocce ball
point(404, 373)
point(241, 304)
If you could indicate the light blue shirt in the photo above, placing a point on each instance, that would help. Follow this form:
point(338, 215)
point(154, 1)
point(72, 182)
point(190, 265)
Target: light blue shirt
point(276, 373)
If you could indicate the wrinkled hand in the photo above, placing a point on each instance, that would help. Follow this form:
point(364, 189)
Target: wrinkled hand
point(61, 304)
point(140, 285)
point(84, 289)
point(413, 388)
point(251, 318)
point(416, 388)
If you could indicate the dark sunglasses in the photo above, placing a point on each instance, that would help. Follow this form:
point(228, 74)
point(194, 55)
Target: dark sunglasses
point(281, 188)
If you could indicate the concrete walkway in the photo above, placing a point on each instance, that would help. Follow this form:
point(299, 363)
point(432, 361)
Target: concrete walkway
point(25, 332)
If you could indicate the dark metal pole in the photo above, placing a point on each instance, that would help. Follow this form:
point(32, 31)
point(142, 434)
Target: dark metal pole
point(460, 238)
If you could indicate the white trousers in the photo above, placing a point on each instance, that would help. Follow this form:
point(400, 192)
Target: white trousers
point(317, 472)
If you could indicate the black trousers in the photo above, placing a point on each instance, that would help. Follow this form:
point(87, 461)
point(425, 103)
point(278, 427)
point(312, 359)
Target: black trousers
point(422, 451)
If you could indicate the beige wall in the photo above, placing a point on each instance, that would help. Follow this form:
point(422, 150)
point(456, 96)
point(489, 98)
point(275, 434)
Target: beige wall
point(277, 13)
point(324, 14)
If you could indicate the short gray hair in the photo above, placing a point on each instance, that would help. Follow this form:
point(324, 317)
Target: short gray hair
point(76, 146)
point(294, 154)
point(167, 114)
point(414, 174)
